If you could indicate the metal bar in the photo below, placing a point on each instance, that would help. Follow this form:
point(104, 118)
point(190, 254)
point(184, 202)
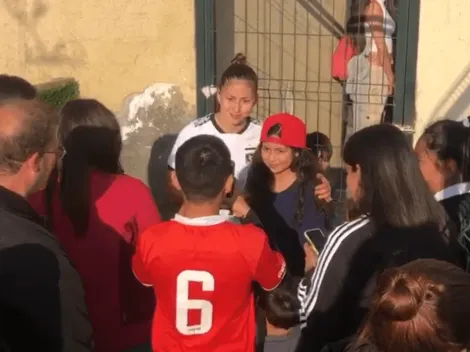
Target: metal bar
point(307, 61)
point(330, 127)
point(286, 34)
point(281, 59)
point(291, 87)
point(320, 22)
point(205, 60)
point(401, 59)
point(266, 55)
point(409, 113)
point(269, 70)
point(246, 28)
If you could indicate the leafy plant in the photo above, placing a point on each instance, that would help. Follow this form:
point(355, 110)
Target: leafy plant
point(59, 92)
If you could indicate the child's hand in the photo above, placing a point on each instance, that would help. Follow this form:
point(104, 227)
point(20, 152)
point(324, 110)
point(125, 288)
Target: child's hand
point(323, 189)
point(240, 207)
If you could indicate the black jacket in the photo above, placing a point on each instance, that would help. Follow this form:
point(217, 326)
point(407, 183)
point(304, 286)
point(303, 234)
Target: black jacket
point(456, 202)
point(336, 295)
point(42, 305)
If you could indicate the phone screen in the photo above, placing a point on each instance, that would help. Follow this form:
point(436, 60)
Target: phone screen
point(316, 238)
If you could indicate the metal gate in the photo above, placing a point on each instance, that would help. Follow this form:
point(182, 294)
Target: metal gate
point(289, 43)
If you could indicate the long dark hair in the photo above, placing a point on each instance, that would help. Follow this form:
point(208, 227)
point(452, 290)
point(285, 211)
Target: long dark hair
point(421, 306)
point(450, 140)
point(260, 179)
point(91, 137)
point(392, 188)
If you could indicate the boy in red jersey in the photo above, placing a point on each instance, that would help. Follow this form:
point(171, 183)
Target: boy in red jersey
point(201, 266)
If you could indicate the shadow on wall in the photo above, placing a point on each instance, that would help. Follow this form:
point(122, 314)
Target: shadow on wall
point(28, 15)
point(455, 103)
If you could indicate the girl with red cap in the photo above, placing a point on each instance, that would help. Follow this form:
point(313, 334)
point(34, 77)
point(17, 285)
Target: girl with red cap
point(280, 187)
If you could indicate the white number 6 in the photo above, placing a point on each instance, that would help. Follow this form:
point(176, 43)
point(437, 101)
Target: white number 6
point(183, 303)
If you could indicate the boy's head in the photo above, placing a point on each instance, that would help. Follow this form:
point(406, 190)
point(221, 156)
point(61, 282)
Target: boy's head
point(281, 305)
point(204, 169)
point(321, 146)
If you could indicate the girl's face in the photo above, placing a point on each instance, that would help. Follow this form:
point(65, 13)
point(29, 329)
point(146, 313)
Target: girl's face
point(237, 99)
point(277, 157)
point(353, 179)
point(434, 172)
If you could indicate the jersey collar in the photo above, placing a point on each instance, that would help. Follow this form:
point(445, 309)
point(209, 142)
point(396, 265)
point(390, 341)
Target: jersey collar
point(202, 221)
point(220, 130)
point(455, 190)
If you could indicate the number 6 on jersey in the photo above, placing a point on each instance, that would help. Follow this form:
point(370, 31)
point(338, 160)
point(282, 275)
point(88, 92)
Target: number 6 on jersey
point(184, 304)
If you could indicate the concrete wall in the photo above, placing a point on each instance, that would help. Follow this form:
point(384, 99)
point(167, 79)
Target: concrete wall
point(289, 43)
point(443, 67)
point(127, 54)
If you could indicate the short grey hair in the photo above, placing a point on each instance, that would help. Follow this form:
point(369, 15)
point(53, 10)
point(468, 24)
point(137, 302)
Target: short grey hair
point(38, 124)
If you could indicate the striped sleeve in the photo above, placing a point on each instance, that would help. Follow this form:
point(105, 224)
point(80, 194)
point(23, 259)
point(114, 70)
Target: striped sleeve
point(319, 288)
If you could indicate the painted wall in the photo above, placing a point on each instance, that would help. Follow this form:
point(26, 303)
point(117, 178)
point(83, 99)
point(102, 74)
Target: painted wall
point(137, 57)
point(443, 67)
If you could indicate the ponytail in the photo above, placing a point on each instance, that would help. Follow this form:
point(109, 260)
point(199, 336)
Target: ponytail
point(450, 140)
point(239, 69)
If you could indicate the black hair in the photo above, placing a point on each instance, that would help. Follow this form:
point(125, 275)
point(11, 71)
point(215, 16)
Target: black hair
point(450, 140)
point(281, 305)
point(392, 189)
point(319, 144)
point(14, 87)
point(260, 178)
point(91, 136)
point(239, 69)
point(202, 166)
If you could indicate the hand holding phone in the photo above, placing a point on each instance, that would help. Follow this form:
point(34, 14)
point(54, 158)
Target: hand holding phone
point(316, 238)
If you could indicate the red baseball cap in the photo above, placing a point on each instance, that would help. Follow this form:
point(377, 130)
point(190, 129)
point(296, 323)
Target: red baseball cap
point(293, 131)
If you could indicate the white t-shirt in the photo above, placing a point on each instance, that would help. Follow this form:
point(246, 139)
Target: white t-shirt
point(242, 145)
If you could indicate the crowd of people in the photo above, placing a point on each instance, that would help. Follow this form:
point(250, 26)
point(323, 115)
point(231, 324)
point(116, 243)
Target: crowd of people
point(255, 259)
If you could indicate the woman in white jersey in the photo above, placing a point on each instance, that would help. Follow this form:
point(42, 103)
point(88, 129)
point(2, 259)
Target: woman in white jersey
point(237, 96)
point(371, 77)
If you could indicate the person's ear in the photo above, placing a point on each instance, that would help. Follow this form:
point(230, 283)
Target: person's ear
point(33, 163)
point(450, 166)
point(218, 95)
point(229, 184)
point(174, 181)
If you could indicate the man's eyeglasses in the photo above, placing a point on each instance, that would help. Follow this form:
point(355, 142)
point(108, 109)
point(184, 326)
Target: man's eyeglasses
point(59, 153)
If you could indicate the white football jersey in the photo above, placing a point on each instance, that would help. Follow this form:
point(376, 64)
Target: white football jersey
point(242, 145)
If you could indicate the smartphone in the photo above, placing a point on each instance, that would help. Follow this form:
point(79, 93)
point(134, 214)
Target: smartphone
point(316, 238)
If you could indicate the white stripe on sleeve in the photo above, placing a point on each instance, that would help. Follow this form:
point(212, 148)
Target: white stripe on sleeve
point(308, 291)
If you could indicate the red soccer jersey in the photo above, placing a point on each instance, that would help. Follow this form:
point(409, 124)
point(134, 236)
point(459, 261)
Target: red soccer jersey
point(202, 272)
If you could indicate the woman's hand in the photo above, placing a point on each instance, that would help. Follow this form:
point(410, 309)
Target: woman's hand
point(323, 189)
point(240, 207)
point(311, 257)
